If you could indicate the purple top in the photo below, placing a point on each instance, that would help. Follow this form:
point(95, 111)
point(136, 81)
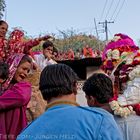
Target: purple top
point(13, 105)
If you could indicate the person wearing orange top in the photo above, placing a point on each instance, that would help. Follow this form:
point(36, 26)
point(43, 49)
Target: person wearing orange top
point(70, 54)
point(87, 51)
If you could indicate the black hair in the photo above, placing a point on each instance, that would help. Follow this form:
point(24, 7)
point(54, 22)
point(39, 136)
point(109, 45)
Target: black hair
point(100, 87)
point(4, 70)
point(57, 80)
point(47, 44)
point(25, 58)
point(3, 22)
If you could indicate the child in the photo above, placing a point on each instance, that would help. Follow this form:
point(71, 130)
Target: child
point(3, 72)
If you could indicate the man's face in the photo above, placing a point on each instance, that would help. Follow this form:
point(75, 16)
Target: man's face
point(47, 52)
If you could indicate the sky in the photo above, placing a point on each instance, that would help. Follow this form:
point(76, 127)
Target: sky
point(50, 16)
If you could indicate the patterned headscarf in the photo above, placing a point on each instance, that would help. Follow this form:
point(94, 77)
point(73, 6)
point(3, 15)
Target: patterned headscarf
point(18, 45)
point(16, 35)
point(15, 41)
point(13, 61)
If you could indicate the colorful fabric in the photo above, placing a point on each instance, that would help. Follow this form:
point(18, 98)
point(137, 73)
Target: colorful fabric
point(3, 49)
point(13, 62)
point(12, 110)
point(17, 45)
point(87, 52)
point(120, 47)
point(70, 55)
point(16, 35)
point(121, 42)
point(13, 102)
point(121, 61)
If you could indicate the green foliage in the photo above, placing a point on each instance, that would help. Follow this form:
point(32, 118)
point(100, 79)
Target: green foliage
point(2, 8)
point(76, 41)
point(70, 39)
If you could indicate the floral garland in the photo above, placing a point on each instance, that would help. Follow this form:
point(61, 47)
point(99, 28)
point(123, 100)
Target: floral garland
point(128, 110)
point(121, 111)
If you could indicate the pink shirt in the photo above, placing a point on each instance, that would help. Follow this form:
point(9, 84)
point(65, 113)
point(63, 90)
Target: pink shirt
point(13, 105)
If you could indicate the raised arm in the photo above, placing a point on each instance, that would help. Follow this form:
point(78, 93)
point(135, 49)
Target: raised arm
point(17, 96)
point(33, 42)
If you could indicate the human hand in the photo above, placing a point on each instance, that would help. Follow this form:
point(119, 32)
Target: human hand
point(49, 55)
point(46, 37)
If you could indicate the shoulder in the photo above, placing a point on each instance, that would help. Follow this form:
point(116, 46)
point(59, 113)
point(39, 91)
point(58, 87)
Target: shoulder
point(101, 115)
point(37, 56)
point(92, 113)
point(97, 111)
point(104, 120)
point(52, 61)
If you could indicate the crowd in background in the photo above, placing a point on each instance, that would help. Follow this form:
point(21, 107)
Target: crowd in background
point(85, 52)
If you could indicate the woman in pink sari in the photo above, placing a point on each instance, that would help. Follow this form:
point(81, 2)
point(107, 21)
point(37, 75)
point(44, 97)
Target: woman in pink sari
point(14, 100)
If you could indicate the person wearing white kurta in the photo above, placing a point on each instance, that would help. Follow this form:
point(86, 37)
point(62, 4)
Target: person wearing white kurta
point(45, 58)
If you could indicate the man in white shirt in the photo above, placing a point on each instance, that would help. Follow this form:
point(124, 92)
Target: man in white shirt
point(45, 58)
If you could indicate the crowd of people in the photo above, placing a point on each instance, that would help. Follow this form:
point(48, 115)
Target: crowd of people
point(70, 54)
point(85, 52)
point(38, 95)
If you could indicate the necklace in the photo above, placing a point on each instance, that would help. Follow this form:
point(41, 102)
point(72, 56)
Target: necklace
point(61, 102)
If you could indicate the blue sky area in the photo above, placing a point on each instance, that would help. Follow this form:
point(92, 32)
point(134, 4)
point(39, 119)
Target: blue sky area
point(48, 16)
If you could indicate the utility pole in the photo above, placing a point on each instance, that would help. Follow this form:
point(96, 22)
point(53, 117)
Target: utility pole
point(96, 28)
point(106, 27)
point(97, 33)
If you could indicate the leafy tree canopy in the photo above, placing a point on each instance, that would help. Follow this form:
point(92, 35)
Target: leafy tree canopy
point(2, 8)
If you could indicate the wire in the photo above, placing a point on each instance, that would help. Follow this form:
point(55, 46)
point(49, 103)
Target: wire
point(103, 10)
point(119, 10)
point(109, 9)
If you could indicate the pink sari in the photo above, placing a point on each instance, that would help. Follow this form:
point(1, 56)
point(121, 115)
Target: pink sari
point(13, 103)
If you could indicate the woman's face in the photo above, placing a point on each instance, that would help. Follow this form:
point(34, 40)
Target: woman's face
point(22, 71)
point(3, 30)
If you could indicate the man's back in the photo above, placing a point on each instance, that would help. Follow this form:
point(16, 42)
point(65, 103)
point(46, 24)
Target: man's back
point(67, 122)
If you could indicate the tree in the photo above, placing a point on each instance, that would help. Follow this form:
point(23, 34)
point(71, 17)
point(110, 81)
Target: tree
point(2, 8)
